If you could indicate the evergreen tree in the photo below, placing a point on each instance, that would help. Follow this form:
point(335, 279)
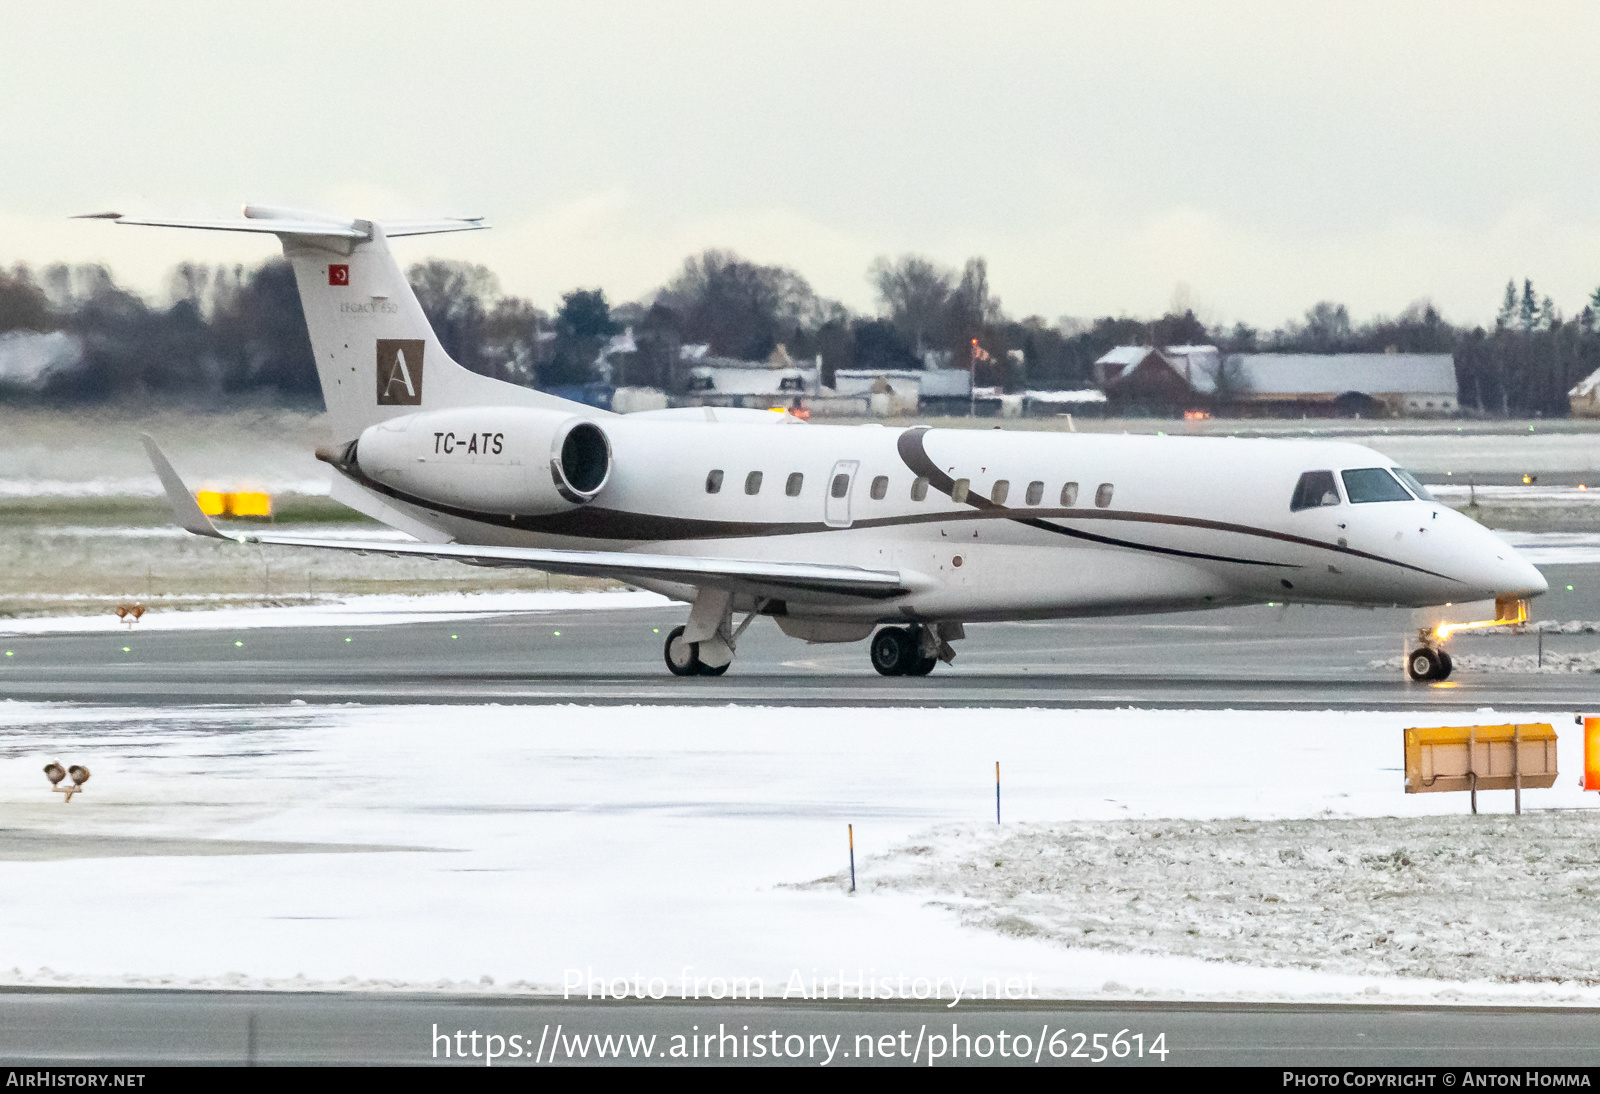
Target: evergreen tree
point(1508, 306)
point(1528, 311)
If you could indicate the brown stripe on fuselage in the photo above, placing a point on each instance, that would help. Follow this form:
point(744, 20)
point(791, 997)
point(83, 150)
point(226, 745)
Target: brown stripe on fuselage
point(916, 458)
point(596, 522)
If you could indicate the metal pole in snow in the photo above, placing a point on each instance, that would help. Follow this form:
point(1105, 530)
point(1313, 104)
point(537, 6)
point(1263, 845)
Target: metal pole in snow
point(997, 791)
point(1516, 761)
point(852, 830)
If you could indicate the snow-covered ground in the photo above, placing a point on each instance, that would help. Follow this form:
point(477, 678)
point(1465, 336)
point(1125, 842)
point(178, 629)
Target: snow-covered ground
point(1539, 496)
point(1503, 898)
point(1555, 548)
point(638, 841)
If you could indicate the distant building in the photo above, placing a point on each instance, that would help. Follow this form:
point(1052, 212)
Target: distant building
point(1585, 398)
point(1340, 384)
point(29, 359)
point(1143, 379)
point(1045, 404)
point(780, 380)
point(891, 393)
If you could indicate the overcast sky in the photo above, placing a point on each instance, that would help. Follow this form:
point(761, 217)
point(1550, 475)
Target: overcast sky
point(1106, 158)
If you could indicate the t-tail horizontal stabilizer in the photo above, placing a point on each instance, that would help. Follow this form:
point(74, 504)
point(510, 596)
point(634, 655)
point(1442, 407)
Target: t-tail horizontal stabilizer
point(271, 220)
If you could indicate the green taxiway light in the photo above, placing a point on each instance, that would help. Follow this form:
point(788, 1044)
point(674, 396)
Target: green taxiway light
point(653, 630)
point(455, 636)
point(8, 653)
point(1569, 589)
point(127, 649)
point(558, 634)
point(347, 639)
point(238, 643)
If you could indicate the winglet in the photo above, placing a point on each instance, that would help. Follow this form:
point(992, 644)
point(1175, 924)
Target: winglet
point(185, 510)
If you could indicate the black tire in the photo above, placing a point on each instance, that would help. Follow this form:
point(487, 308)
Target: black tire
point(893, 652)
point(693, 667)
point(707, 670)
point(923, 666)
point(1447, 665)
point(1423, 663)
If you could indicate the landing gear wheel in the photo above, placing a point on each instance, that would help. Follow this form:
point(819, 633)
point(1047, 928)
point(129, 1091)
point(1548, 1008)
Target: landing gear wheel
point(894, 652)
point(923, 666)
point(1424, 663)
point(1447, 666)
point(683, 658)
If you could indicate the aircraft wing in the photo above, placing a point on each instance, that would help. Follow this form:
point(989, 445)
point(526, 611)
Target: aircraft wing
point(755, 575)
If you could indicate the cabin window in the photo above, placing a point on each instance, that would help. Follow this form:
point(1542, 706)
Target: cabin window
point(1069, 495)
point(958, 490)
point(1372, 484)
point(1412, 484)
point(713, 482)
point(880, 487)
point(1000, 491)
point(1102, 496)
point(752, 483)
point(841, 486)
point(1315, 488)
point(792, 487)
point(1035, 492)
point(919, 488)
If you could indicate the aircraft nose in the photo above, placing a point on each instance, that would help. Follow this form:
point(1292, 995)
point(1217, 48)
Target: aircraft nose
point(1515, 576)
point(1529, 581)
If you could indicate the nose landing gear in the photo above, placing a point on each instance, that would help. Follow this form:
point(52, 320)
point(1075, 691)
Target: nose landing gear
point(1428, 662)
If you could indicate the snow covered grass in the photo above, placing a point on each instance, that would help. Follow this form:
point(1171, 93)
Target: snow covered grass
point(356, 611)
point(86, 569)
point(639, 840)
point(1491, 897)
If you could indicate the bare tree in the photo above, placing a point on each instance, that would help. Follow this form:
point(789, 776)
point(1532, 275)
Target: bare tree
point(739, 308)
point(457, 298)
point(916, 293)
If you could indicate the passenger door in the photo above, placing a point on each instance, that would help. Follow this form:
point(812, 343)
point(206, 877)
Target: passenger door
point(836, 494)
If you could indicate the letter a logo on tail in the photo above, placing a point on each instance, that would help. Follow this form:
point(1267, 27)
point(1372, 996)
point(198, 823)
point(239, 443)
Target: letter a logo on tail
point(400, 372)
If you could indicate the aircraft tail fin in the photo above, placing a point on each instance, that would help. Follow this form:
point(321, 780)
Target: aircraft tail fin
point(377, 356)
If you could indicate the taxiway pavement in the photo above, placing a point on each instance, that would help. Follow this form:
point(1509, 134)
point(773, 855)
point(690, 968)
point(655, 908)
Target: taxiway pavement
point(1246, 658)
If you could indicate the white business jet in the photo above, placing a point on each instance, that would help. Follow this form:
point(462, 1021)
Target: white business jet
point(836, 532)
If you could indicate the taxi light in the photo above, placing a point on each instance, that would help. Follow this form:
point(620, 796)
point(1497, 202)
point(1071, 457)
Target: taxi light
point(1508, 610)
point(1444, 630)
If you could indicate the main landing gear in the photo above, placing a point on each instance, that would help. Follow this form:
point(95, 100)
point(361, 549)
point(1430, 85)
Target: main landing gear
point(898, 651)
point(1428, 663)
point(683, 658)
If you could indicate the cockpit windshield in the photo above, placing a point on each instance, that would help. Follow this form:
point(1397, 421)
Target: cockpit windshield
point(1372, 484)
point(1411, 482)
point(1314, 489)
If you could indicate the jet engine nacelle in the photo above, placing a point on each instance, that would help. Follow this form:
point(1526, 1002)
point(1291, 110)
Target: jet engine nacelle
point(490, 459)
